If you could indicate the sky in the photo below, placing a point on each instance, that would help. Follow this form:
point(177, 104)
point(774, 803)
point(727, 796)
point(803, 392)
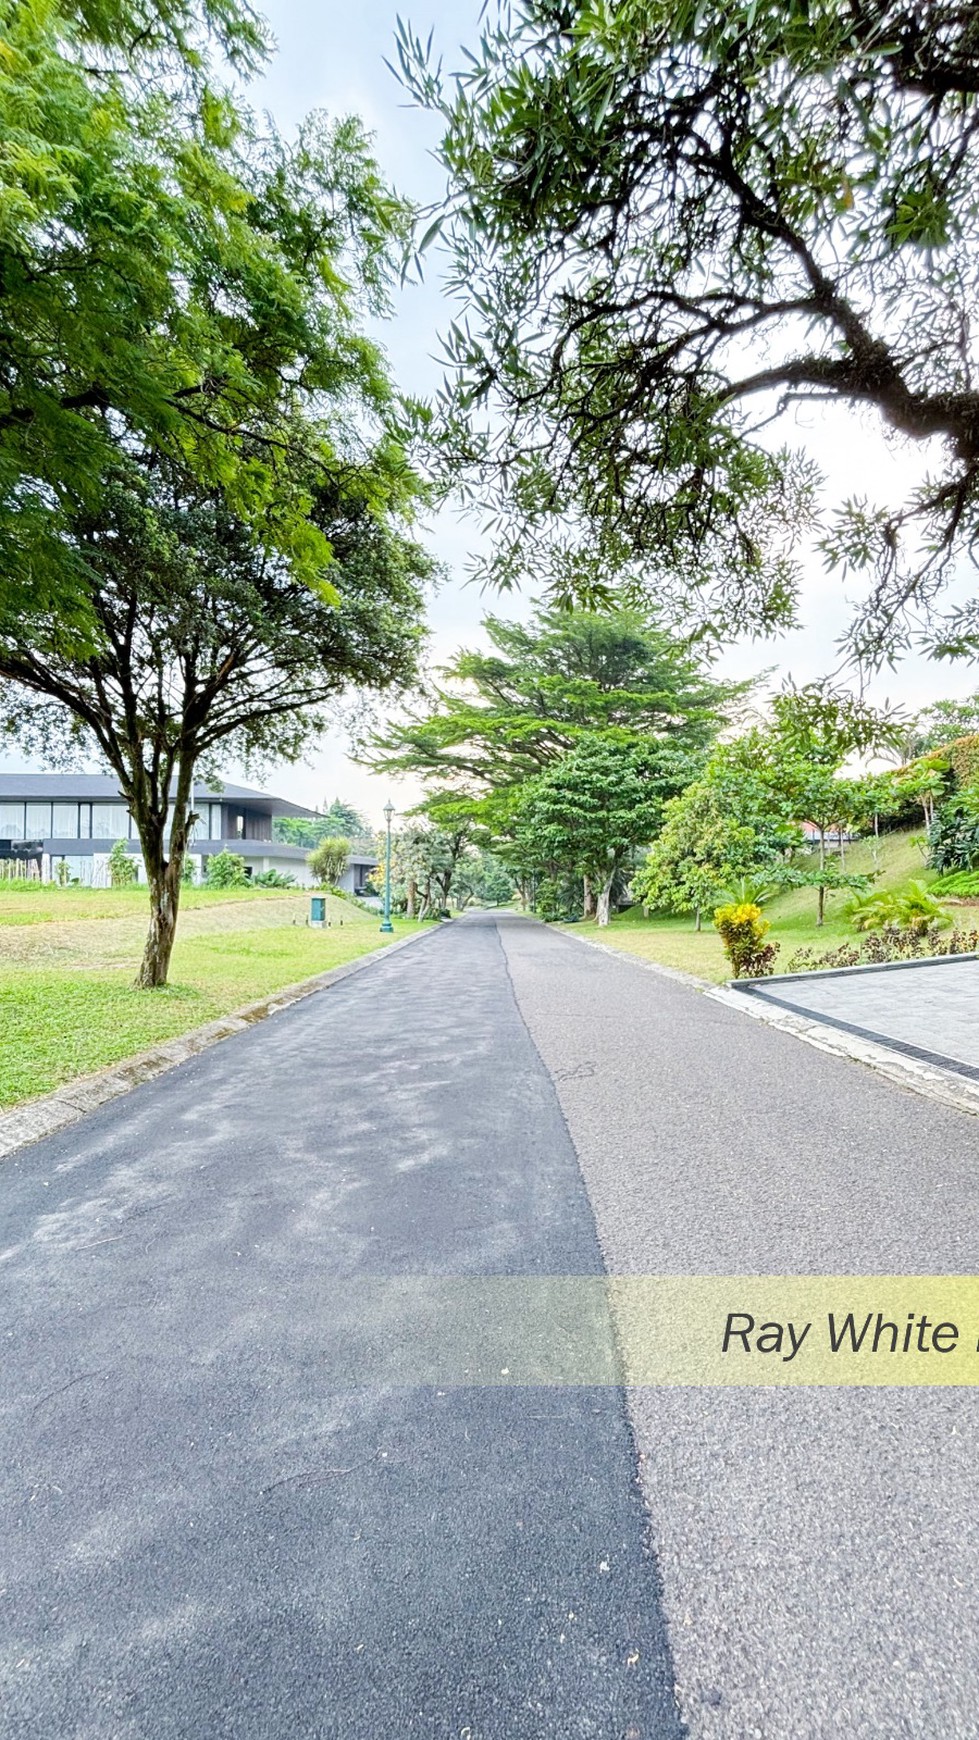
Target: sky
point(331, 57)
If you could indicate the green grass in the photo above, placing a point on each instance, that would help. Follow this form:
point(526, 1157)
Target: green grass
point(46, 903)
point(67, 1003)
point(673, 942)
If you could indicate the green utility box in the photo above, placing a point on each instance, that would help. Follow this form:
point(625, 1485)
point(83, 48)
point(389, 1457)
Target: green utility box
point(317, 909)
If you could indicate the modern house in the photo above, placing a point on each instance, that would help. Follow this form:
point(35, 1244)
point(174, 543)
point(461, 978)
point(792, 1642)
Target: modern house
point(75, 819)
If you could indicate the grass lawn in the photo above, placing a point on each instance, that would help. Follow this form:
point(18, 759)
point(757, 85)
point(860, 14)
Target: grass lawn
point(68, 958)
point(673, 942)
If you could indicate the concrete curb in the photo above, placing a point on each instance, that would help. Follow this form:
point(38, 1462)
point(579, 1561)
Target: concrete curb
point(936, 1083)
point(55, 1111)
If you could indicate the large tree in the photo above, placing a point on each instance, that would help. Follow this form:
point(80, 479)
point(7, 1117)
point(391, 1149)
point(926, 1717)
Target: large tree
point(173, 277)
point(503, 715)
point(673, 220)
point(587, 813)
point(203, 643)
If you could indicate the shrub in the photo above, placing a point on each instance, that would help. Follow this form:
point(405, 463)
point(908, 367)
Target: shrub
point(953, 838)
point(892, 943)
point(870, 911)
point(919, 911)
point(226, 870)
point(961, 884)
point(328, 860)
point(274, 879)
point(549, 901)
point(742, 930)
point(122, 867)
point(913, 908)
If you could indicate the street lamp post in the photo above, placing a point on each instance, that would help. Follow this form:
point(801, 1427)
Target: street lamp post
point(387, 927)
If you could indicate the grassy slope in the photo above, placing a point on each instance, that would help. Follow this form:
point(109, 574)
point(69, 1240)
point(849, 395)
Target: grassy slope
point(67, 1005)
point(673, 942)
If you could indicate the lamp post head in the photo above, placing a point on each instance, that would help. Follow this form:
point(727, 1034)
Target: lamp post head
point(388, 812)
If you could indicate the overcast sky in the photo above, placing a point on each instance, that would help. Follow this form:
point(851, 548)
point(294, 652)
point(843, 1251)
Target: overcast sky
point(332, 57)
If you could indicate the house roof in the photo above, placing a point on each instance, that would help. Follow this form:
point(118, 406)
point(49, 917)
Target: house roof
point(103, 788)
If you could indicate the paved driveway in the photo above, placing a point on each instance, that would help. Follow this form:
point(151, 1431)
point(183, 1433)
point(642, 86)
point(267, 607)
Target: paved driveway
point(226, 1515)
point(928, 1010)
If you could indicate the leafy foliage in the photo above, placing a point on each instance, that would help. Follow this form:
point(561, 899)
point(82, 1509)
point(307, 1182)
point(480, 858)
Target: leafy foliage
point(328, 860)
point(226, 870)
point(893, 942)
point(589, 812)
point(506, 715)
point(203, 637)
point(953, 838)
point(122, 866)
point(669, 224)
point(337, 818)
point(177, 282)
point(742, 931)
point(914, 908)
point(961, 884)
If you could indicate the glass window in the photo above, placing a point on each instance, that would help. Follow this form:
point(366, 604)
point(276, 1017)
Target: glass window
point(11, 821)
point(110, 822)
point(65, 823)
point(84, 821)
point(38, 822)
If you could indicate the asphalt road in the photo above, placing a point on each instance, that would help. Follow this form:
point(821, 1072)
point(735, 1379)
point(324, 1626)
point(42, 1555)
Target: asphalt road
point(216, 1520)
point(819, 1548)
point(232, 1509)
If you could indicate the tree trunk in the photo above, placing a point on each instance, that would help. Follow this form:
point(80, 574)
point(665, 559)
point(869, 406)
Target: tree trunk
point(822, 866)
point(604, 899)
point(697, 921)
point(588, 898)
point(163, 873)
point(821, 904)
point(412, 897)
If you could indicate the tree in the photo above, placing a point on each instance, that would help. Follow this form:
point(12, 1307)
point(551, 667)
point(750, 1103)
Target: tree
point(172, 281)
point(701, 848)
point(328, 860)
point(813, 732)
point(204, 641)
point(506, 714)
point(337, 818)
point(588, 812)
point(672, 223)
point(424, 860)
point(482, 876)
point(941, 723)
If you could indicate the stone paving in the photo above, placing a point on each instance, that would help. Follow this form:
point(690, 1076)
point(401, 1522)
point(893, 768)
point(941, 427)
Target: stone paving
point(927, 1009)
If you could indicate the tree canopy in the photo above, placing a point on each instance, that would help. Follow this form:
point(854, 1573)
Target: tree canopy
point(502, 716)
point(588, 812)
point(177, 281)
point(202, 643)
point(671, 222)
point(337, 817)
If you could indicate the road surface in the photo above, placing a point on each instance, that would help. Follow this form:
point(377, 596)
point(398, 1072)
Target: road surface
point(228, 1513)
